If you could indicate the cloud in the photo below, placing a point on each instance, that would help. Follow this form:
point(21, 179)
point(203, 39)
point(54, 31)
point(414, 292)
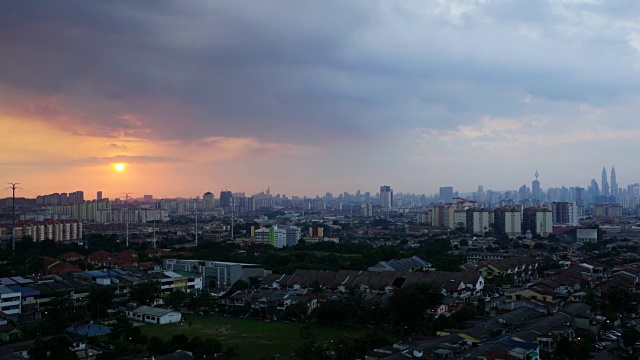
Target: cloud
point(203, 82)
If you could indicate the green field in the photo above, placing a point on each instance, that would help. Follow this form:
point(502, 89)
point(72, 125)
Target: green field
point(255, 339)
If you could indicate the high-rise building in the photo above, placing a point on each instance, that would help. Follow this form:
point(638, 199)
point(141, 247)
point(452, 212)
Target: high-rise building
point(537, 220)
point(605, 183)
point(565, 213)
point(367, 209)
point(478, 221)
point(208, 201)
point(536, 193)
point(225, 199)
point(99, 195)
point(614, 184)
point(386, 197)
point(523, 192)
point(579, 197)
point(507, 221)
point(446, 194)
point(594, 189)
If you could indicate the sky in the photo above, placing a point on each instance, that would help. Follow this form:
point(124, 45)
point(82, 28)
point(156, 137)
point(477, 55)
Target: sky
point(317, 96)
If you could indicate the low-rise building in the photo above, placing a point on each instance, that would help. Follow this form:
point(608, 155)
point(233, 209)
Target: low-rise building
point(153, 315)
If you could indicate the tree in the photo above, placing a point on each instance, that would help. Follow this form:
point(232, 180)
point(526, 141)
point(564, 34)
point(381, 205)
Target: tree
point(630, 337)
point(54, 348)
point(120, 328)
point(308, 348)
point(156, 346)
point(100, 299)
point(145, 293)
point(316, 289)
point(409, 305)
point(620, 300)
point(58, 309)
point(239, 285)
point(176, 299)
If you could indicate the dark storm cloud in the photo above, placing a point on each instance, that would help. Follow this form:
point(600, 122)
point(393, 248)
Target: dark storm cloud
point(306, 70)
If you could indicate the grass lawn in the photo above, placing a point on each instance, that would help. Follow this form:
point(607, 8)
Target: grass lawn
point(255, 339)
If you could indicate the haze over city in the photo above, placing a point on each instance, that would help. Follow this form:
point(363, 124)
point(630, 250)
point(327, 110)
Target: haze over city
point(316, 97)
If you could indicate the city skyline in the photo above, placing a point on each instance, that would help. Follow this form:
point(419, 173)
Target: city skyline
point(309, 98)
point(535, 191)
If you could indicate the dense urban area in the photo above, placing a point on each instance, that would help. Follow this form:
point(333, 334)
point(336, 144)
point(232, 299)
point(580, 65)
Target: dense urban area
point(529, 274)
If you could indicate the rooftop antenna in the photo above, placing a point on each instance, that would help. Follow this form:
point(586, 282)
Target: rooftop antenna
point(13, 217)
point(536, 174)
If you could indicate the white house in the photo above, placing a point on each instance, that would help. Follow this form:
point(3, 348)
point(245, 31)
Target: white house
point(153, 315)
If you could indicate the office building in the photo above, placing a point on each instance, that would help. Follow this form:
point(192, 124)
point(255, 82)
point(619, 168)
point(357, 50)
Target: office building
point(217, 274)
point(386, 197)
point(614, 185)
point(367, 209)
point(536, 192)
point(605, 183)
point(446, 194)
point(208, 201)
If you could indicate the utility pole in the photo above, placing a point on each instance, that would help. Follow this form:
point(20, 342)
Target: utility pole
point(154, 231)
point(233, 209)
point(196, 207)
point(13, 218)
point(126, 215)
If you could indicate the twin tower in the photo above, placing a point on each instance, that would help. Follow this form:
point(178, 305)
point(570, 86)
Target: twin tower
point(606, 189)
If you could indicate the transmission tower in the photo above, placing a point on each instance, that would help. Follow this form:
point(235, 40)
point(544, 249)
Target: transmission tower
point(126, 215)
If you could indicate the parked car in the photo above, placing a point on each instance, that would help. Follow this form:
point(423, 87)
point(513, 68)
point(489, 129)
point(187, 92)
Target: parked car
point(599, 346)
point(614, 333)
point(610, 337)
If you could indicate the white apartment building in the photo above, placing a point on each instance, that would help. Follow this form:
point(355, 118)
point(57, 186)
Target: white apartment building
point(9, 301)
point(478, 221)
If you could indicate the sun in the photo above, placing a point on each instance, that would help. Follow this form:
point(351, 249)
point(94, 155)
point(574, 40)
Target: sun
point(119, 167)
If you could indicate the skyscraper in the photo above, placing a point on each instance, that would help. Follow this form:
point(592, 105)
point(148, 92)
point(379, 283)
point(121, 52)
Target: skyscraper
point(446, 194)
point(225, 199)
point(208, 201)
point(386, 197)
point(605, 183)
point(614, 183)
point(536, 194)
